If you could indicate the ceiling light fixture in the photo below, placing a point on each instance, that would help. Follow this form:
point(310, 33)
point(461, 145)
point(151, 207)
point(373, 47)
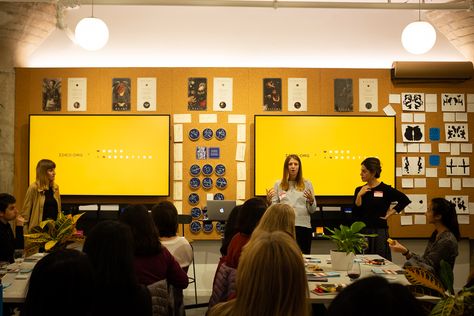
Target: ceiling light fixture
point(420, 36)
point(91, 33)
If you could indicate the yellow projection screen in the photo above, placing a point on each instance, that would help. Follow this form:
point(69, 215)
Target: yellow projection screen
point(103, 154)
point(331, 149)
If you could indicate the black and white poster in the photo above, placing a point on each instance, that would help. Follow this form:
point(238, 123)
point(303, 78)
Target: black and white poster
point(343, 95)
point(457, 166)
point(413, 166)
point(51, 94)
point(453, 102)
point(77, 94)
point(460, 201)
point(413, 133)
point(456, 132)
point(146, 94)
point(297, 95)
point(418, 203)
point(368, 95)
point(413, 102)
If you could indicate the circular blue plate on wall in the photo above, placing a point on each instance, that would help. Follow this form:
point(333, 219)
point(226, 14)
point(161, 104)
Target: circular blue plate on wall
point(207, 170)
point(219, 170)
point(195, 170)
point(193, 199)
point(208, 227)
point(220, 227)
point(196, 212)
point(195, 226)
point(206, 183)
point(219, 196)
point(221, 133)
point(194, 183)
point(194, 134)
point(207, 133)
point(221, 183)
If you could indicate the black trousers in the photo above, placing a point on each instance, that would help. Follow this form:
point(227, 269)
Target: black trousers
point(304, 236)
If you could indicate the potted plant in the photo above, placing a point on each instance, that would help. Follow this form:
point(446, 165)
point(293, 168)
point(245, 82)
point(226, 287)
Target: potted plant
point(53, 234)
point(349, 241)
point(423, 282)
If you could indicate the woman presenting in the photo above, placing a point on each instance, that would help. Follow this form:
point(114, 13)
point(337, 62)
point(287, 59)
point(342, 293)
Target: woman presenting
point(372, 205)
point(42, 200)
point(297, 192)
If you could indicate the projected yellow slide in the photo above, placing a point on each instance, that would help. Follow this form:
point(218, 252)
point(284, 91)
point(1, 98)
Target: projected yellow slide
point(104, 154)
point(331, 149)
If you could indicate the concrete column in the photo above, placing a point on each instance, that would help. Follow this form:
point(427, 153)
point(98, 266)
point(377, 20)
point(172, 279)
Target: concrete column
point(7, 128)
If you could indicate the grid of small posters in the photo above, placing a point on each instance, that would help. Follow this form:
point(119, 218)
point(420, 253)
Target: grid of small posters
point(197, 94)
point(51, 100)
point(272, 94)
point(222, 94)
point(77, 94)
point(343, 98)
point(146, 94)
point(121, 90)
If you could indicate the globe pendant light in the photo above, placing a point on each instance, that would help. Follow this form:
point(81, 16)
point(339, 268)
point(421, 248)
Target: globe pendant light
point(91, 33)
point(420, 36)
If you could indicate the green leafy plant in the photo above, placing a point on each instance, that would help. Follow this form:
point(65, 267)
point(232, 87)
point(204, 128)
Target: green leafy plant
point(349, 239)
point(423, 282)
point(55, 233)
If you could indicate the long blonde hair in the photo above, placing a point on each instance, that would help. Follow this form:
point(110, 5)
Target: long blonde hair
point(271, 279)
point(42, 178)
point(299, 177)
point(278, 217)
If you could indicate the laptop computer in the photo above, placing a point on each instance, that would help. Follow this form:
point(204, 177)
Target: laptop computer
point(219, 210)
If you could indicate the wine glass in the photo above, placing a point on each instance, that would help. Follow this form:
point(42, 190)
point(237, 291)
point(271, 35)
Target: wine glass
point(353, 271)
point(19, 256)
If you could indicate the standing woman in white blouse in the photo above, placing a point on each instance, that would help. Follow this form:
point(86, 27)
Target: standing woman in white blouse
point(297, 192)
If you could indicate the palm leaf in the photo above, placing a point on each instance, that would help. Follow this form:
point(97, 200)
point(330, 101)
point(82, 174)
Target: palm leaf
point(46, 222)
point(76, 217)
point(419, 290)
point(420, 276)
point(50, 244)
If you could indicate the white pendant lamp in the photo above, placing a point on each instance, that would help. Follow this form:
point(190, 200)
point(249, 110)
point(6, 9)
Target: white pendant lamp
point(91, 33)
point(418, 37)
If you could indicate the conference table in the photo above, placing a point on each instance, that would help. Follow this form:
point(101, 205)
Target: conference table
point(388, 270)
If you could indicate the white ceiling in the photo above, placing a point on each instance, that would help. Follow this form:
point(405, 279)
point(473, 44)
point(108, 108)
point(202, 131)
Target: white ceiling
point(172, 36)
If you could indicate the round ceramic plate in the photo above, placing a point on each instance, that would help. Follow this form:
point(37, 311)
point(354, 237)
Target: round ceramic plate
point(207, 133)
point(220, 227)
point(196, 212)
point(219, 196)
point(219, 170)
point(195, 226)
point(221, 133)
point(194, 134)
point(193, 199)
point(221, 183)
point(207, 183)
point(208, 227)
point(195, 170)
point(194, 183)
point(207, 170)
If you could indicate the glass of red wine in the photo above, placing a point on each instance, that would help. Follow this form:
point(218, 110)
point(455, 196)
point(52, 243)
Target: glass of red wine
point(353, 271)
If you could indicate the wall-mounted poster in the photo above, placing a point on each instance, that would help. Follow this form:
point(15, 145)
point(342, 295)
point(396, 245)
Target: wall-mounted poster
point(343, 98)
point(413, 133)
point(456, 132)
point(297, 95)
point(368, 95)
point(77, 94)
point(418, 203)
point(272, 94)
point(51, 94)
point(413, 102)
point(457, 166)
point(197, 94)
point(460, 201)
point(413, 166)
point(121, 89)
point(452, 102)
point(146, 94)
point(223, 94)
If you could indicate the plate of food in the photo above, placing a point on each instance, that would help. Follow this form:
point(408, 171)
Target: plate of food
point(328, 289)
point(311, 267)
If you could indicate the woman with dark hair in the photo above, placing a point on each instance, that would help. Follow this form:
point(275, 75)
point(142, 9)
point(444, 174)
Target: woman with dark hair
point(109, 246)
point(248, 218)
point(58, 282)
point(443, 243)
point(297, 192)
point(230, 229)
point(165, 217)
point(152, 261)
point(373, 206)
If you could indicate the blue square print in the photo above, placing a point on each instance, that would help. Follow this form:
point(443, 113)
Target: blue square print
point(434, 160)
point(434, 133)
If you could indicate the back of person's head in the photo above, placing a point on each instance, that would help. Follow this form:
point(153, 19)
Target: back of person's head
point(62, 283)
point(278, 217)
point(42, 172)
point(230, 229)
point(249, 215)
point(374, 296)
point(109, 246)
point(146, 240)
point(373, 165)
point(5, 200)
point(447, 211)
point(271, 277)
point(165, 217)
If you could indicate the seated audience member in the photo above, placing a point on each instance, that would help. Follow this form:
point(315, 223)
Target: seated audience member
point(62, 283)
point(230, 229)
point(374, 296)
point(152, 261)
point(278, 217)
point(248, 218)
point(8, 242)
point(109, 246)
point(165, 216)
point(271, 279)
point(443, 243)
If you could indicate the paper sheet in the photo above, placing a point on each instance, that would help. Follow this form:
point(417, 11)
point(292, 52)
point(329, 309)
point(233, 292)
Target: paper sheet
point(398, 172)
point(77, 94)
point(177, 190)
point(456, 184)
point(413, 148)
point(406, 220)
point(444, 148)
point(236, 118)
point(461, 117)
point(425, 148)
point(178, 152)
point(470, 102)
point(449, 117)
point(389, 110)
point(394, 98)
point(179, 206)
point(241, 133)
point(455, 149)
point(419, 117)
point(471, 208)
point(418, 203)
point(240, 152)
point(401, 148)
point(468, 182)
point(368, 95)
point(444, 182)
point(146, 94)
point(240, 194)
point(431, 103)
point(223, 88)
point(420, 182)
point(241, 171)
point(420, 219)
point(407, 117)
point(181, 118)
point(297, 95)
point(466, 148)
point(431, 172)
point(178, 133)
point(209, 197)
point(407, 183)
point(207, 118)
point(463, 219)
point(178, 171)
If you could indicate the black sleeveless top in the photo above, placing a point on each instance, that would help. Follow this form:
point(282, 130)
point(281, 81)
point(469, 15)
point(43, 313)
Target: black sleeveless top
point(50, 208)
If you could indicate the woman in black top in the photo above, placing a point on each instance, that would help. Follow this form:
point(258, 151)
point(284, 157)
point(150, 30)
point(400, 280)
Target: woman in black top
point(372, 205)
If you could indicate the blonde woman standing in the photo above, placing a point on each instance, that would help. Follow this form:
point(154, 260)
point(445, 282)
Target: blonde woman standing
point(270, 259)
point(42, 200)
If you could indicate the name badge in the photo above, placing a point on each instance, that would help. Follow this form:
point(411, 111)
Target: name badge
point(282, 195)
point(378, 194)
